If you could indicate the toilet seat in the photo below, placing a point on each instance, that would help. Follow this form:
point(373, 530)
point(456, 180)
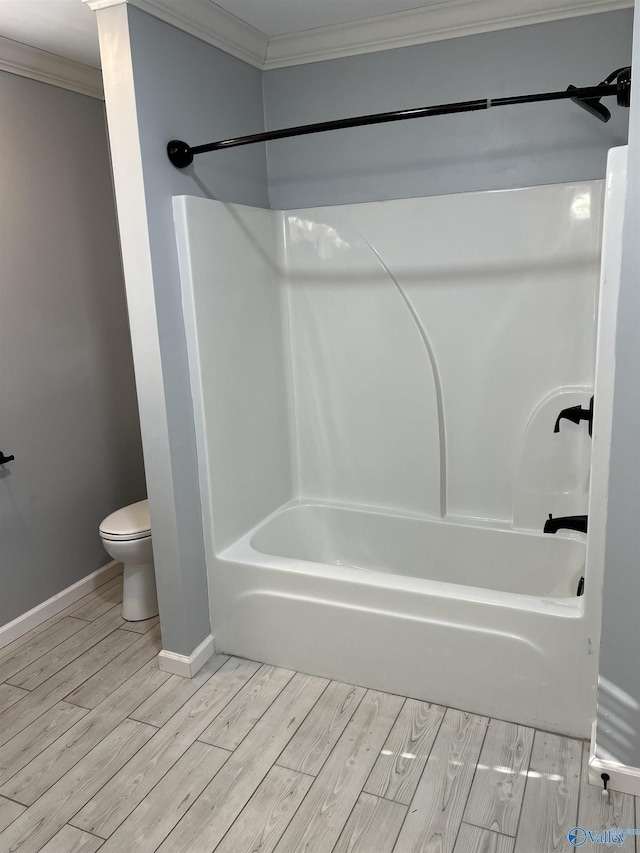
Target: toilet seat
point(130, 522)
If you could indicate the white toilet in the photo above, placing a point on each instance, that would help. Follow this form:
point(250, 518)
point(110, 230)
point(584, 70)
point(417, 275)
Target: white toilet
point(126, 536)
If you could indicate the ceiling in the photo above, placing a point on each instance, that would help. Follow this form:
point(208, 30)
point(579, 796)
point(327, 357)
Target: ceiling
point(68, 27)
point(280, 17)
point(65, 27)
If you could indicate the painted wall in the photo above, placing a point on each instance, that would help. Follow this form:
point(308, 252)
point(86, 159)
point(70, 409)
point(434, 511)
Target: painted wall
point(161, 83)
point(503, 148)
point(67, 407)
point(618, 733)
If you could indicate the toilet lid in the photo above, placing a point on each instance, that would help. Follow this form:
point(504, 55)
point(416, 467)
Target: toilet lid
point(130, 522)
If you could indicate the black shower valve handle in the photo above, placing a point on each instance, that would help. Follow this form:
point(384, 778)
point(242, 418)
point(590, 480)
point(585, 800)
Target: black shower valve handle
point(4, 459)
point(575, 414)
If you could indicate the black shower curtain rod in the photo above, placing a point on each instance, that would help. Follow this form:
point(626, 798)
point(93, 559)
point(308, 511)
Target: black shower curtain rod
point(181, 154)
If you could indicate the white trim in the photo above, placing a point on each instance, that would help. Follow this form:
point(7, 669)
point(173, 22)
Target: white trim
point(444, 20)
point(12, 630)
point(622, 777)
point(27, 61)
point(131, 204)
point(187, 665)
point(96, 5)
point(204, 20)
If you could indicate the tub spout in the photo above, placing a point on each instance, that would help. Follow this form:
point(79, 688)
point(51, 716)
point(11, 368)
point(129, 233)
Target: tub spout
point(567, 522)
point(575, 414)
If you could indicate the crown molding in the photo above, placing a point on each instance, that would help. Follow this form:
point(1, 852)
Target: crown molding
point(205, 20)
point(27, 61)
point(444, 20)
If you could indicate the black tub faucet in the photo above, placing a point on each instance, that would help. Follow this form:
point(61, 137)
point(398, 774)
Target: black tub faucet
point(575, 414)
point(567, 522)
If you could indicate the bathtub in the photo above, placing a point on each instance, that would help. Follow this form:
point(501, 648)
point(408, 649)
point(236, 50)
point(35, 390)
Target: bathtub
point(455, 554)
point(352, 593)
point(375, 405)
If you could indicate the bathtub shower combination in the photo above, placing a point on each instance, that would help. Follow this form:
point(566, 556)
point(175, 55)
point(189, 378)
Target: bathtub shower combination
point(377, 390)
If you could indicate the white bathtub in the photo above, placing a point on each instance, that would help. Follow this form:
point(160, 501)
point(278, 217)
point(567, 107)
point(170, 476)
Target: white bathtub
point(350, 357)
point(351, 594)
point(521, 562)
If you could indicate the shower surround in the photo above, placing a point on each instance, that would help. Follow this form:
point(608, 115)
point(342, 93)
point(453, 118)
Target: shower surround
point(375, 388)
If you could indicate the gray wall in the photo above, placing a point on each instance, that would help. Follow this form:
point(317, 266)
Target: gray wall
point(187, 89)
point(67, 397)
point(505, 147)
point(619, 696)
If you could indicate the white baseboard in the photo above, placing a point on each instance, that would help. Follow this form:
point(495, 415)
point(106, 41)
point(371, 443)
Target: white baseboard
point(12, 630)
point(186, 665)
point(622, 777)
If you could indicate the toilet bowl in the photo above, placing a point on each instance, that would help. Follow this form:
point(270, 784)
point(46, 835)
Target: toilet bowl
point(126, 536)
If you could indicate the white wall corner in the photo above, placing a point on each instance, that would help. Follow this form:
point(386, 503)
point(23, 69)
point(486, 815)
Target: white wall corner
point(187, 665)
point(441, 20)
point(27, 61)
point(622, 777)
point(204, 20)
point(52, 606)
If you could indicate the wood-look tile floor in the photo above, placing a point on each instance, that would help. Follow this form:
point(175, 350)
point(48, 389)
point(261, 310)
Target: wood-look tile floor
point(99, 750)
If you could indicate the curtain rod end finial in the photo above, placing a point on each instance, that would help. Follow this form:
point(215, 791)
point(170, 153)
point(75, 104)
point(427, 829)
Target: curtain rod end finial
point(179, 153)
